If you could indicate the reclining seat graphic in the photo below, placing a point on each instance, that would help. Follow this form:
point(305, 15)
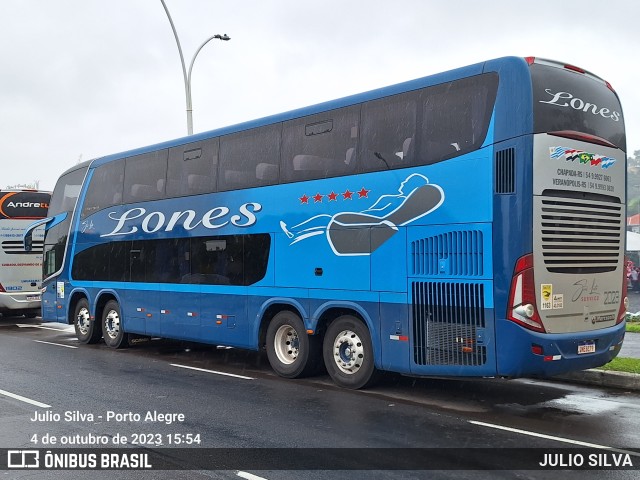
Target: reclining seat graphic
point(361, 233)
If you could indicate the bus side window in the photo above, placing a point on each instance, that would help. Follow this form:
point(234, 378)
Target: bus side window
point(456, 116)
point(145, 176)
point(118, 271)
point(228, 260)
point(444, 124)
point(192, 168)
point(388, 132)
point(246, 157)
point(104, 190)
point(320, 146)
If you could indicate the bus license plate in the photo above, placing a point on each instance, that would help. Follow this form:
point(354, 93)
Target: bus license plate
point(587, 347)
point(33, 298)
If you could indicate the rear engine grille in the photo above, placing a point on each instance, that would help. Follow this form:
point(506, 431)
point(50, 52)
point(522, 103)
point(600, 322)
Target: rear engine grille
point(581, 235)
point(446, 319)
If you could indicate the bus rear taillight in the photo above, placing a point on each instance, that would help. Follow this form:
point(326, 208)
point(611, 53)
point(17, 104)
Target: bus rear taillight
point(522, 307)
point(573, 68)
point(624, 304)
point(583, 137)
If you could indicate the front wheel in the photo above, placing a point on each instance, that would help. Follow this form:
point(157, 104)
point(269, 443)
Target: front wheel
point(87, 330)
point(291, 352)
point(112, 328)
point(348, 353)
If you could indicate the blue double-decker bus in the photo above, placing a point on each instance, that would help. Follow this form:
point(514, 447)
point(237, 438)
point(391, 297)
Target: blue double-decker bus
point(469, 223)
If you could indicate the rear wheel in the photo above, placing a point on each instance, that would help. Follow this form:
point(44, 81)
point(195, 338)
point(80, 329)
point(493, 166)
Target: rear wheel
point(348, 353)
point(87, 330)
point(112, 328)
point(291, 352)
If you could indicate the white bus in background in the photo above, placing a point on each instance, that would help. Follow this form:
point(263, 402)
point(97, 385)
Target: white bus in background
point(21, 271)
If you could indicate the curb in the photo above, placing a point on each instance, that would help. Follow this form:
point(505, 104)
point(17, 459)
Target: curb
point(604, 378)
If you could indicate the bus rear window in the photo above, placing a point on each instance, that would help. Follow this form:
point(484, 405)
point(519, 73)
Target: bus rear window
point(564, 100)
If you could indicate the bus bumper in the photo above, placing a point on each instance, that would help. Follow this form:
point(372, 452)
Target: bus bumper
point(524, 353)
point(19, 301)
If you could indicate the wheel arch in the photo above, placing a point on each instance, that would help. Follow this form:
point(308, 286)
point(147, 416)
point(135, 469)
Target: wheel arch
point(330, 311)
point(269, 310)
point(101, 300)
point(74, 298)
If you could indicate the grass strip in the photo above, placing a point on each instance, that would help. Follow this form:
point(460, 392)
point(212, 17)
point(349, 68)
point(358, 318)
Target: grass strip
point(633, 327)
point(623, 364)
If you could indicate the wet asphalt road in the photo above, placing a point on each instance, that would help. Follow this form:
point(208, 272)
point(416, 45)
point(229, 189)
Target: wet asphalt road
point(256, 409)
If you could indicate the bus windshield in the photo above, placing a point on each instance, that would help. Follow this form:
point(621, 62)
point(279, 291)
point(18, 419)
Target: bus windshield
point(63, 200)
point(567, 100)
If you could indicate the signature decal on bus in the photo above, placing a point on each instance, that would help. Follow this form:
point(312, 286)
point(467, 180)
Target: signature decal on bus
point(134, 219)
point(415, 198)
point(585, 158)
point(560, 99)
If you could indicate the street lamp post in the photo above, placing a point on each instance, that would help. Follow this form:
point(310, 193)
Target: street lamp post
point(187, 75)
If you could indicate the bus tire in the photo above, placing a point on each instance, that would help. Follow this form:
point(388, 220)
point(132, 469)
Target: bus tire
point(348, 353)
point(87, 330)
point(112, 328)
point(291, 352)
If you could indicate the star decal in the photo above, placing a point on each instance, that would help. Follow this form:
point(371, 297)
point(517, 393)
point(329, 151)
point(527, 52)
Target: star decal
point(333, 196)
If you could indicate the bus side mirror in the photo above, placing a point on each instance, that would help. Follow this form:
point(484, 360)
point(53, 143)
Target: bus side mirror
point(27, 236)
point(28, 241)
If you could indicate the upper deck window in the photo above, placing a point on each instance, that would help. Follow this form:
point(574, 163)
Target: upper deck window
point(428, 125)
point(192, 168)
point(250, 158)
point(321, 145)
point(145, 177)
point(105, 188)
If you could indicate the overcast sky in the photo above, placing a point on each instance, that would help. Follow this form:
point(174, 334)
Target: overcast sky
point(84, 78)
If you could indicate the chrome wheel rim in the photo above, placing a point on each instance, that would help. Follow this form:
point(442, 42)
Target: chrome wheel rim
point(112, 324)
point(348, 352)
point(83, 321)
point(286, 344)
